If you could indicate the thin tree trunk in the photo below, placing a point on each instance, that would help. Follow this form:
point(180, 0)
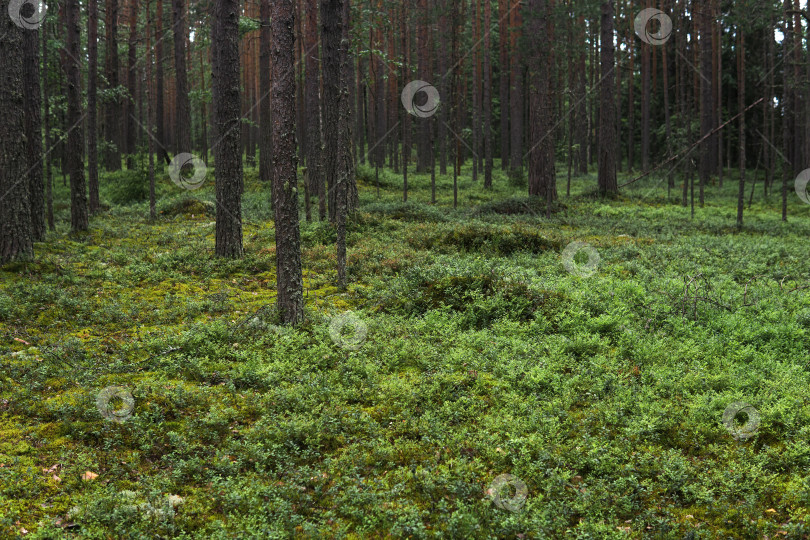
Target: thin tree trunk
point(183, 124)
point(706, 97)
point(78, 189)
point(265, 114)
point(313, 103)
point(487, 96)
point(228, 171)
point(607, 121)
point(112, 121)
point(741, 105)
point(290, 296)
point(516, 96)
point(92, 111)
point(150, 141)
point(129, 101)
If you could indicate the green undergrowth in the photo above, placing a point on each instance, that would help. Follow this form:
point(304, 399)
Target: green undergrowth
point(472, 352)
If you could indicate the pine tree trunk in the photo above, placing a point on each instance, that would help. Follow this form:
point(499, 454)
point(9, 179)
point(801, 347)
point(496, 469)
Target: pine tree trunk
point(112, 120)
point(159, 91)
point(183, 111)
point(128, 119)
point(265, 113)
point(487, 96)
point(228, 171)
point(47, 118)
point(150, 141)
point(607, 120)
point(92, 110)
point(16, 237)
point(33, 132)
point(78, 188)
point(706, 97)
point(313, 103)
point(290, 297)
point(516, 96)
point(542, 181)
point(503, 77)
point(741, 105)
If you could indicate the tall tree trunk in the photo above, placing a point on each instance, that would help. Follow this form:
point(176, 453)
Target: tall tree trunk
point(487, 95)
point(631, 104)
point(48, 143)
point(16, 236)
point(160, 122)
point(183, 125)
point(542, 179)
point(645, 104)
point(265, 114)
point(706, 98)
point(290, 297)
point(741, 105)
point(313, 103)
point(406, 117)
point(129, 101)
point(581, 102)
point(423, 58)
point(503, 77)
point(229, 182)
point(33, 132)
point(787, 106)
point(112, 109)
point(78, 189)
point(607, 121)
point(516, 96)
point(92, 111)
point(444, 90)
point(150, 140)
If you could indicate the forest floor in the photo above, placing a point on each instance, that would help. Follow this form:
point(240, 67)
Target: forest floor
point(471, 348)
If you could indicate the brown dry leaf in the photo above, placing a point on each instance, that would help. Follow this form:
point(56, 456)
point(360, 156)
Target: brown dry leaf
point(89, 475)
point(56, 478)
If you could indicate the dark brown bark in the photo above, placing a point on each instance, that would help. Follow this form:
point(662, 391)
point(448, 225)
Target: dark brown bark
point(265, 112)
point(16, 239)
point(406, 117)
point(92, 106)
point(183, 110)
point(542, 177)
point(112, 120)
point(607, 120)
point(631, 104)
point(78, 189)
point(706, 97)
point(128, 119)
point(516, 95)
point(741, 105)
point(289, 283)
point(150, 142)
point(228, 171)
point(487, 96)
point(423, 73)
point(316, 184)
point(581, 102)
point(503, 79)
point(645, 104)
point(47, 118)
point(160, 132)
point(33, 133)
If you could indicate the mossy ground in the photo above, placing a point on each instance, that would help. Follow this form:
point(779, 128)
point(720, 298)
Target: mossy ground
point(484, 356)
